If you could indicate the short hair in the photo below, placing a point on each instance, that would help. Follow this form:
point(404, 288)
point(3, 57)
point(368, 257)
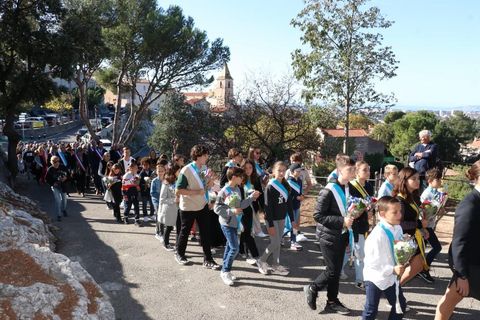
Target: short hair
point(358, 164)
point(232, 153)
point(163, 156)
point(53, 159)
point(159, 166)
point(344, 161)
point(234, 172)
point(251, 151)
point(424, 133)
point(433, 174)
point(178, 156)
point(162, 162)
point(133, 163)
point(384, 202)
point(170, 176)
point(473, 172)
point(145, 160)
point(296, 157)
point(198, 150)
point(390, 168)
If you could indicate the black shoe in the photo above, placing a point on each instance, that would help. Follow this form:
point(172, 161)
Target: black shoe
point(59, 219)
point(360, 286)
point(169, 247)
point(65, 213)
point(126, 221)
point(425, 275)
point(336, 307)
point(311, 297)
point(119, 220)
point(211, 265)
point(138, 223)
point(181, 260)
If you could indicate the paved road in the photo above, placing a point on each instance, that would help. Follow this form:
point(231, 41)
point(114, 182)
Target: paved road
point(145, 282)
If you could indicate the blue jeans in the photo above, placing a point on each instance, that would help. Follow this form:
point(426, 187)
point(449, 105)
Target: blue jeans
point(231, 248)
point(436, 246)
point(60, 200)
point(373, 294)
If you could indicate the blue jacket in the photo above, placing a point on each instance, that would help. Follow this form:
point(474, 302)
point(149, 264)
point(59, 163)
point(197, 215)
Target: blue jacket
point(155, 188)
point(429, 157)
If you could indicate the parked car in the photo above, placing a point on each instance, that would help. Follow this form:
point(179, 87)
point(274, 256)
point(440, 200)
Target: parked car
point(105, 121)
point(107, 144)
point(37, 122)
point(82, 131)
point(52, 119)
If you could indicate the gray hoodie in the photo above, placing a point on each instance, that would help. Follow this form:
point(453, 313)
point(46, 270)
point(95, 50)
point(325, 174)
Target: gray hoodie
point(226, 215)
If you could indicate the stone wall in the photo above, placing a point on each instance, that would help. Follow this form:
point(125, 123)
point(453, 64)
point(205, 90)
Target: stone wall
point(48, 131)
point(35, 282)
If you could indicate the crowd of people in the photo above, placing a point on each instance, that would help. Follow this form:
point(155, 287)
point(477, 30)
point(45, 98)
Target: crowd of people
point(225, 211)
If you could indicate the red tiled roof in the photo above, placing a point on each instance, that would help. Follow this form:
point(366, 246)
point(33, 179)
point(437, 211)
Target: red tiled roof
point(339, 133)
point(192, 101)
point(195, 94)
point(475, 144)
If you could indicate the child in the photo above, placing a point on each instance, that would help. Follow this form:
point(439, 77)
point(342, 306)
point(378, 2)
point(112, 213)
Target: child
point(130, 188)
point(277, 205)
point(296, 196)
point(391, 177)
point(333, 221)
point(431, 193)
point(229, 218)
point(20, 164)
point(381, 271)
point(145, 180)
point(168, 207)
point(155, 190)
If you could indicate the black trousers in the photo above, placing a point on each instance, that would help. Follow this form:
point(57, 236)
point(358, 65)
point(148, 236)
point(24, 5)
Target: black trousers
point(246, 239)
point(333, 258)
point(187, 218)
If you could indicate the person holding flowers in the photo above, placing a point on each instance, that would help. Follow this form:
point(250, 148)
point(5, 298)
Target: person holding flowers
point(406, 190)
point(130, 188)
point(363, 190)
point(114, 184)
point(333, 223)
point(463, 256)
point(382, 268)
point(231, 201)
point(432, 201)
point(296, 194)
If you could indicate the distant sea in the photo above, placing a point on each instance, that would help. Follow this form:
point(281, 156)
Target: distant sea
point(430, 108)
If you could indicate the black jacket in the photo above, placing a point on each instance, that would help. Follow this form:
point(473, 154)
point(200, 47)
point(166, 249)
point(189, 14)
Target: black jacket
point(410, 218)
point(360, 225)
point(466, 235)
point(328, 216)
point(277, 207)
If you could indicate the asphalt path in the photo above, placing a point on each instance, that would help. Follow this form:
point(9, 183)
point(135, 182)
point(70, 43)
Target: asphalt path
point(144, 281)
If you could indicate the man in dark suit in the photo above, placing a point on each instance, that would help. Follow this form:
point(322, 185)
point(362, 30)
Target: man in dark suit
point(424, 155)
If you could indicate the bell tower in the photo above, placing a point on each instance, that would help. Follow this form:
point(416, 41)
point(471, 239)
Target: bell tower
point(222, 94)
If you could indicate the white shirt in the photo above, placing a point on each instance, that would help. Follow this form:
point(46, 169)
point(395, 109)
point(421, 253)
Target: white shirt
point(379, 261)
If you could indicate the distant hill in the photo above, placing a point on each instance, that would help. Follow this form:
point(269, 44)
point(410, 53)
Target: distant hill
point(430, 108)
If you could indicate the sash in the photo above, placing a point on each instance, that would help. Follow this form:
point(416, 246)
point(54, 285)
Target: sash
point(259, 169)
point(231, 164)
point(62, 156)
point(398, 308)
point(196, 174)
point(100, 155)
point(294, 186)
point(418, 234)
point(38, 161)
point(80, 162)
point(229, 191)
point(332, 176)
point(389, 186)
point(360, 188)
point(280, 188)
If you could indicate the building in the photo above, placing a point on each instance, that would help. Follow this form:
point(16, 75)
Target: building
point(142, 87)
point(219, 97)
point(362, 142)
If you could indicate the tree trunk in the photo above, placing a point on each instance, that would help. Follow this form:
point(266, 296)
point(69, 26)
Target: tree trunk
point(82, 107)
point(118, 107)
point(347, 126)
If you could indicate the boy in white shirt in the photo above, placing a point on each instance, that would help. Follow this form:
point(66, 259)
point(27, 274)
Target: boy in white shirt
point(381, 272)
point(391, 177)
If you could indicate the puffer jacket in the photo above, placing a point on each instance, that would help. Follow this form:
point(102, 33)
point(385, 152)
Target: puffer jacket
point(328, 216)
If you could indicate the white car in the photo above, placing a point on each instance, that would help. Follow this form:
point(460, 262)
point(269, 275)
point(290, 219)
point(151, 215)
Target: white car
point(107, 144)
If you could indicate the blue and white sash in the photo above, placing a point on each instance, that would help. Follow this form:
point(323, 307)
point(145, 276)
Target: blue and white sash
point(196, 174)
point(62, 156)
point(391, 240)
point(259, 170)
point(295, 186)
point(230, 164)
point(279, 187)
point(228, 192)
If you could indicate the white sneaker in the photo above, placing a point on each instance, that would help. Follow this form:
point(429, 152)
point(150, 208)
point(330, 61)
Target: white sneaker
point(251, 261)
point(213, 250)
point(280, 270)
point(296, 247)
point(262, 267)
point(301, 238)
point(232, 276)
point(159, 238)
point(226, 278)
point(343, 276)
point(261, 234)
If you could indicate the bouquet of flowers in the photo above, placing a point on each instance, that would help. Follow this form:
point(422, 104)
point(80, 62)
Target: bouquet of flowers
point(356, 207)
point(371, 202)
point(148, 182)
point(429, 209)
point(109, 181)
point(404, 249)
point(233, 201)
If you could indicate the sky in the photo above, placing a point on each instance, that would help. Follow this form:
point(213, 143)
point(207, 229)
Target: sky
point(437, 43)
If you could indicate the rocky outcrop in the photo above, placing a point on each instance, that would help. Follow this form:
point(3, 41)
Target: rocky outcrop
point(35, 282)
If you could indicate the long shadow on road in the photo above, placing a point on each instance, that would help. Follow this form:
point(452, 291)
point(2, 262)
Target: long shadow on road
point(79, 242)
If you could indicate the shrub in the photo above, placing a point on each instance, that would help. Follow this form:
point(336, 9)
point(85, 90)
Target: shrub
point(458, 186)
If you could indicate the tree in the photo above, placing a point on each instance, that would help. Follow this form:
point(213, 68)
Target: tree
point(29, 56)
point(346, 57)
point(60, 104)
point(162, 47)
point(462, 126)
point(393, 116)
point(268, 116)
point(186, 125)
point(359, 121)
point(383, 132)
point(322, 117)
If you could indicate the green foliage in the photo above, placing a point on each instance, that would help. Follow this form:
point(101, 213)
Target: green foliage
point(358, 121)
point(346, 57)
point(322, 170)
point(95, 97)
point(464, 127)
point(60, 104)
point(458, 186)
point(393, 116)
point(383, 132)
point(322, 117)
point(375, 160)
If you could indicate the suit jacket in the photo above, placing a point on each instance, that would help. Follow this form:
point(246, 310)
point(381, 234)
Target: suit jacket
point(466, 235)
point(429, 157)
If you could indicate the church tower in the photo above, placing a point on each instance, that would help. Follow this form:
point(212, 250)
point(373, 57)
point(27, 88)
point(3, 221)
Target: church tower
point(221, 94)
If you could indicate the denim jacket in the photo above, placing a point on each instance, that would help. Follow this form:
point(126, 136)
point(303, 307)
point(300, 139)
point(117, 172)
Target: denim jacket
point(155, 188)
